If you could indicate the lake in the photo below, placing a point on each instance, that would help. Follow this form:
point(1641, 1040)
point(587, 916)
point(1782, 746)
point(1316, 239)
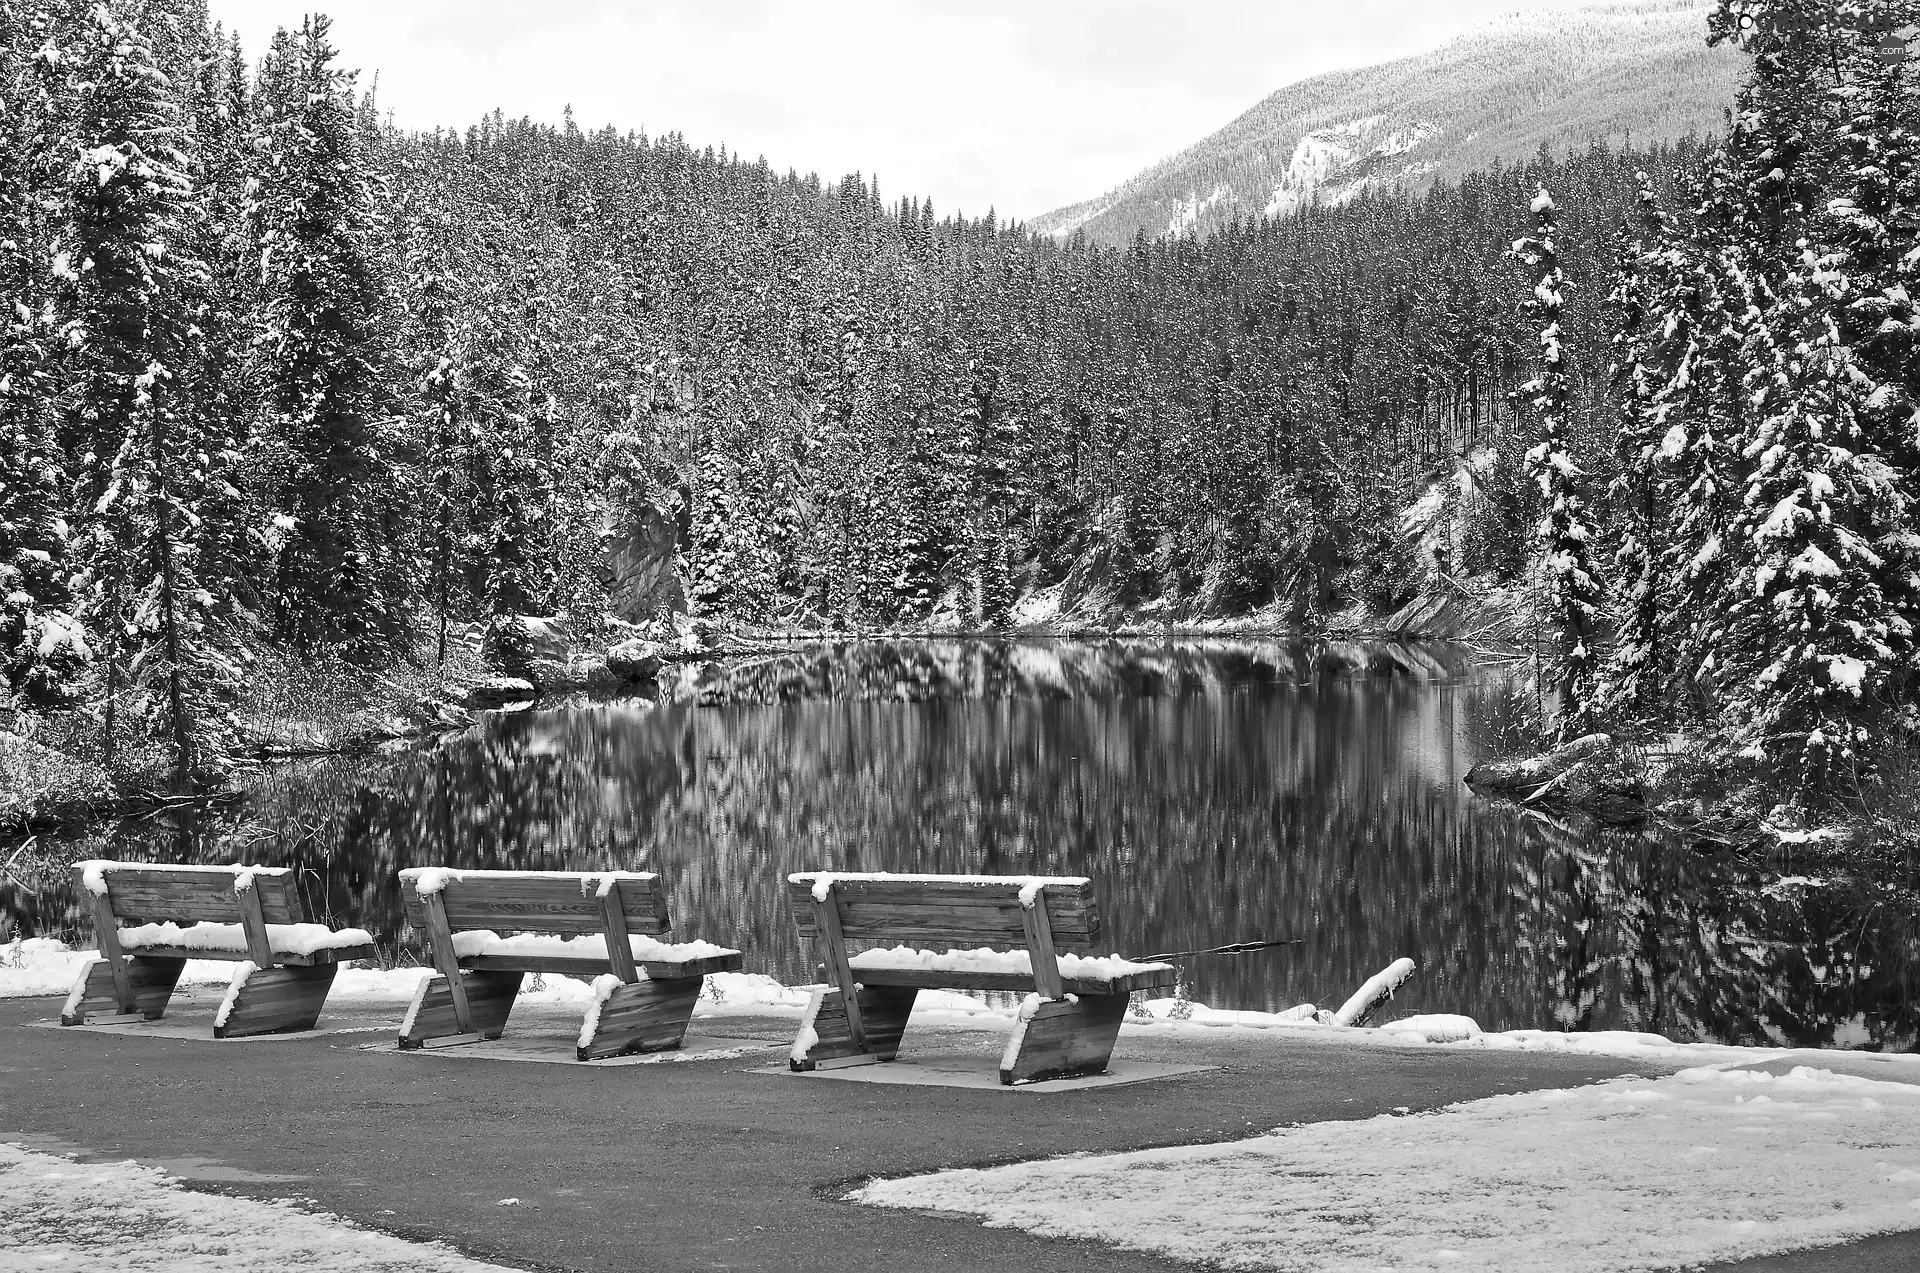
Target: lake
point(1215, 791)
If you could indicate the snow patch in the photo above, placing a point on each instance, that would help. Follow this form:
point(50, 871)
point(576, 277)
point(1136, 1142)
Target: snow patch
point(1621, 1175)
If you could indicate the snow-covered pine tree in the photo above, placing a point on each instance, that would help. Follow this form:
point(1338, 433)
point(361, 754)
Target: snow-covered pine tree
point(1638, 670)
point(128, 285)
point(1565, 537)
point(41, 648)
point(337, 581)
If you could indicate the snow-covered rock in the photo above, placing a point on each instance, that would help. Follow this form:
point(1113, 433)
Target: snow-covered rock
point(634, 660)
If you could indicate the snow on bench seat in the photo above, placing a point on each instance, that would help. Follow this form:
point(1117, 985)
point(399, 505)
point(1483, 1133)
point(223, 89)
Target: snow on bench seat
point(543, 952)
point(290, 942)
point(987, 969)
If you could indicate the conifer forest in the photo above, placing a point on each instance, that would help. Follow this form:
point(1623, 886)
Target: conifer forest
point(279, 377)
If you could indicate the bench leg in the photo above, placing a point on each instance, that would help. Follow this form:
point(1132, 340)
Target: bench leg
point(1063, 1038)
point(151, 981)
point(489, 996)
point(824, 1035)
point(273, 1000)
point(648, 1015)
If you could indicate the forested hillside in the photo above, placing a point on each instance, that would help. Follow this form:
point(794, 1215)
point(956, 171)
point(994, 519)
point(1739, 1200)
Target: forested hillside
point(1623, 73)
point(279, 375)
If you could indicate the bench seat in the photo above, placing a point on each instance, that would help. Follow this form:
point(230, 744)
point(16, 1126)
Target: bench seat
point(296, 945)
point(987, 969)
point(586, 955)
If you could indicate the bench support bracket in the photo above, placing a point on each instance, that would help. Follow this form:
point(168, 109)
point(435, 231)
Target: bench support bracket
point(434, 1013)
point(273, 1000)
point(649, 1015)
point(825, 1034)
point(1064, 1038)
point(148, 984)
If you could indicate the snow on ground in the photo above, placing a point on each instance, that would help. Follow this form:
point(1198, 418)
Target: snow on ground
point(92, 1218)
point(1704, 1165)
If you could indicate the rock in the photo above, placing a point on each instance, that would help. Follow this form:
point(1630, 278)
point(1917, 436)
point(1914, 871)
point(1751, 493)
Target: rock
point(500, 691)
point(529, 646)
point(634, 660)
point(638, 568)
point(1592, 773)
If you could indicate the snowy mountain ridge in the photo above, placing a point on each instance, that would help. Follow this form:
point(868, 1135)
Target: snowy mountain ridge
point(1639, 71)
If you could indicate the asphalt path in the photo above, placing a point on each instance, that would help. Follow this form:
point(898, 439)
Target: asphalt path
point(701, 1164)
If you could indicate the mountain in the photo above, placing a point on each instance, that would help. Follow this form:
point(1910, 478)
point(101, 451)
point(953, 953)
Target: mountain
point(1563, 77)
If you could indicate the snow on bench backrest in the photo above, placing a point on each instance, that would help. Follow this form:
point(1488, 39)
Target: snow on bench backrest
point(958, 910)
point(152, 893)
point(561, 902)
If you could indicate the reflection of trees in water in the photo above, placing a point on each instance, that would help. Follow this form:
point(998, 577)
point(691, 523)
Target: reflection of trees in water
point(1214, 795)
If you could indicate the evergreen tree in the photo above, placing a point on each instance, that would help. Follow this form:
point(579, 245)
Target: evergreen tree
point(1565, 535)
point(128, 281)
point(42, 649)
point(337, 579)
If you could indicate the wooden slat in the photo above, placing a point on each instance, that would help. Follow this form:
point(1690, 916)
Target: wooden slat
point(106, 932)
point(926, 979)
point(574, 967)
point(1046, 967)
point(619, 949)
point(510, 902)
point(833, 953)
point(205, 893)
point(281, 958)
point(254, 923)
point(441, 937)
point(922, 912)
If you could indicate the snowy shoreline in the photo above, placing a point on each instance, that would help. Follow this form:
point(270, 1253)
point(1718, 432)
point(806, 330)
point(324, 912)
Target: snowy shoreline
point(37, 967)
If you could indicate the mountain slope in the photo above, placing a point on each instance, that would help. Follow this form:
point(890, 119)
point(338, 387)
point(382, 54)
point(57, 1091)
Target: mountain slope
point(1561, 77)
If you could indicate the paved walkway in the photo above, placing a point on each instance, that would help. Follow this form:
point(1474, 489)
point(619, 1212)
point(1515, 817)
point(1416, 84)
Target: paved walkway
point(694, 1165)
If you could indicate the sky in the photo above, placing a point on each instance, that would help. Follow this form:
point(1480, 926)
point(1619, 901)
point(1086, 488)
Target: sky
point(1018, 105)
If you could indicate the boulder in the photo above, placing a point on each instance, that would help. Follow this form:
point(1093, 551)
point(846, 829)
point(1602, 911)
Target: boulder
point(638, 568)
point(500, 691)
point(634, 660)
point(1592, 773)
point(529, 646)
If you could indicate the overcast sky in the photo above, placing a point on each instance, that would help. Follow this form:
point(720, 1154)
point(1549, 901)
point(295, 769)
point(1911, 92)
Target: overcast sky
point(1023, 105)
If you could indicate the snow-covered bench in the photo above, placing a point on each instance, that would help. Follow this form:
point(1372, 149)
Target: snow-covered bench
point(251, 915)
point(1003, 933)
point(488, 929)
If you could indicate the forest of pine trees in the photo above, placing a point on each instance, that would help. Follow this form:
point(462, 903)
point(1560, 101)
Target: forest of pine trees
point(276, 373)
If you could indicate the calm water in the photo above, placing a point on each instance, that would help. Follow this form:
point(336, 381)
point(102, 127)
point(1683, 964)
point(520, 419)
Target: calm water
point(1215, 793)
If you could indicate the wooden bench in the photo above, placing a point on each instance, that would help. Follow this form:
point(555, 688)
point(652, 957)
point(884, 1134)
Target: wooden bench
point(1006, 932)
point(251, 915)
point(601, 926)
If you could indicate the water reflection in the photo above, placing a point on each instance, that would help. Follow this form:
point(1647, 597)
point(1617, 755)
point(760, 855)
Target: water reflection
point(1215, 792)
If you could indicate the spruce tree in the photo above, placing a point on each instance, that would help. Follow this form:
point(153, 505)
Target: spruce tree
point(42, 649)
point(338, 581)
point(1565, 537)
point(125, 305)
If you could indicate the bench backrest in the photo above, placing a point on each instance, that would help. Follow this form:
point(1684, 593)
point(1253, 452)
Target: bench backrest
point(564, 903)
point(187, 894)
point(962, 911)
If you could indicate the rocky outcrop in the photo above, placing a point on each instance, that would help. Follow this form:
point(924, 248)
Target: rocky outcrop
point(1593, 774)
point(500, 691)
point(634, 661)
point(537, 649)
point(638, 569)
